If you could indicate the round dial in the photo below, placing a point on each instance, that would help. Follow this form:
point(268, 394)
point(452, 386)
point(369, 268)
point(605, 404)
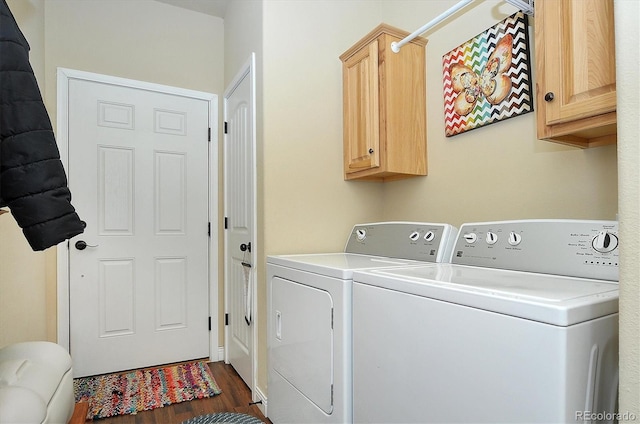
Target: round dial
point(492, 238)
point(605, 242)
point(470, 237)
point(414, 236)
point(514, 238)
point(429, 236)
point(361, 234)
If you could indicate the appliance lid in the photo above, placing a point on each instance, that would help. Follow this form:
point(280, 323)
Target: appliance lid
point(337, 265)
point(551, 299)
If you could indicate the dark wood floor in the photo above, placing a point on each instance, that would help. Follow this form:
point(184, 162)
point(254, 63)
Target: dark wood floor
point(235, 397)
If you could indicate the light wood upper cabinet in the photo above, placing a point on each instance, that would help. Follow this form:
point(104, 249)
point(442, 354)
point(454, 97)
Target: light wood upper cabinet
point(576, 74)
point(384, 107)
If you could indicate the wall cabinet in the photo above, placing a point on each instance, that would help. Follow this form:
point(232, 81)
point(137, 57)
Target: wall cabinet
point(384, 107)
point(576, 73)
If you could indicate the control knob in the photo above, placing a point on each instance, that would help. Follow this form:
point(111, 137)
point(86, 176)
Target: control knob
point(429, 236)
point(414, 236)
point(514, 238)
point(470, 237)
point(492, 238)
point(605, 242)
point(361, 234)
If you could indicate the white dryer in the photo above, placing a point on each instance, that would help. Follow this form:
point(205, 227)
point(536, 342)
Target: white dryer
point(309, 316)
point(520, 327)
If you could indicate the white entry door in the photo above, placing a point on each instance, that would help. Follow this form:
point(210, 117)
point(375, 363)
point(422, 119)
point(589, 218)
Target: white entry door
point(240, 217)
point(138, 170)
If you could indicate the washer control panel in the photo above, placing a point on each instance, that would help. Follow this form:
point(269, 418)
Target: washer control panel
point(422, 241)
point(576, 248)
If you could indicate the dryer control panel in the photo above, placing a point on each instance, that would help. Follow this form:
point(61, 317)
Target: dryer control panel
point(422, 241)
point(575, 248)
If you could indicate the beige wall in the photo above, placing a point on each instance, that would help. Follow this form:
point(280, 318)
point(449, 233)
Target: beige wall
point(498, 172)
point(307, 204)
point(141, 39)
point(24, 298)
point(628, 90)
point(27, 303)
point(307, 207)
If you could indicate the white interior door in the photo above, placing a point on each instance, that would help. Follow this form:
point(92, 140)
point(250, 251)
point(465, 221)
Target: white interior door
point(138, 170)
point(240, 214)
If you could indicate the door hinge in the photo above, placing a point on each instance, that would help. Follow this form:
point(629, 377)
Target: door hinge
point(209, 323)
point(226, 223)
point(209, 229)
point(209, 135)
point(226, 319)
point(226, 130)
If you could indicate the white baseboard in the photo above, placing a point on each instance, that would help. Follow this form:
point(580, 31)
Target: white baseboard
point(217, 355)
point(260, 396)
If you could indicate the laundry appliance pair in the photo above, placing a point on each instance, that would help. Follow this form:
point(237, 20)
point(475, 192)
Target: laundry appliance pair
point(510, 321)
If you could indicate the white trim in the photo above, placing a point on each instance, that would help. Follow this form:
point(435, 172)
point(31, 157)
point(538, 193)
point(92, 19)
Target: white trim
point(254, 239)
point(262, 398)
point(249, 68)
point(214, 236)
point(62, 250)
point(63, 77)
point(142, 85)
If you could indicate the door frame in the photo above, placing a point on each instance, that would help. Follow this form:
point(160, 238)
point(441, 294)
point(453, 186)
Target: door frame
point(64, 75)
point(249, 68)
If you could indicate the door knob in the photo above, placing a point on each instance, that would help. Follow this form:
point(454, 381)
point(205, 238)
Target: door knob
point(81, 245)
point(245, 247)
point(549, 96)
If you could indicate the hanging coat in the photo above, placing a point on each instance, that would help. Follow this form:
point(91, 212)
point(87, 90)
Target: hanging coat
point(33, 183)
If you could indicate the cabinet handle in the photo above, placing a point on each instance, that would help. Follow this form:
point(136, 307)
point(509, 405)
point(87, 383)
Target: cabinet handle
point(370, 151)
point(549, 96)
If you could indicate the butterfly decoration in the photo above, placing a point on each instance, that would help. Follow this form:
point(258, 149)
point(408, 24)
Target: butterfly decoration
point(492, 83)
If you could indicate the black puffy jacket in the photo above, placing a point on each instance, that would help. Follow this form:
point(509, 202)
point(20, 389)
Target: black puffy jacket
point(33, 183)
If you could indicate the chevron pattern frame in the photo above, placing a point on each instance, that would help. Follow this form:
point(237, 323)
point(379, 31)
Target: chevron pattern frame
point(488, 78)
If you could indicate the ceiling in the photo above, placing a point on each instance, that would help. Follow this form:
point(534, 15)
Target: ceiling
point(209, 7)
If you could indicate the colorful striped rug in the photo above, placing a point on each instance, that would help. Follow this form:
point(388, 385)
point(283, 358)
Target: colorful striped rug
point(141, 390)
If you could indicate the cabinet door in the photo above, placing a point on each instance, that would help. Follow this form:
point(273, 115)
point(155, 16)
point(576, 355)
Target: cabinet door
point(579, 60)
point(361, 110)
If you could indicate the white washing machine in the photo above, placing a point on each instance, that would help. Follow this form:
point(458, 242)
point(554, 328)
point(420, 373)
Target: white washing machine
point(520, 327)
point(309, 316)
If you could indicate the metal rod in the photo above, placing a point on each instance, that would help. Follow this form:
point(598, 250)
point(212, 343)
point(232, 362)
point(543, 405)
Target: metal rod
point(395, 46)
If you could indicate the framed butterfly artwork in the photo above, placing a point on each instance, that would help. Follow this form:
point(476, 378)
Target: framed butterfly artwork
point(488, 78)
